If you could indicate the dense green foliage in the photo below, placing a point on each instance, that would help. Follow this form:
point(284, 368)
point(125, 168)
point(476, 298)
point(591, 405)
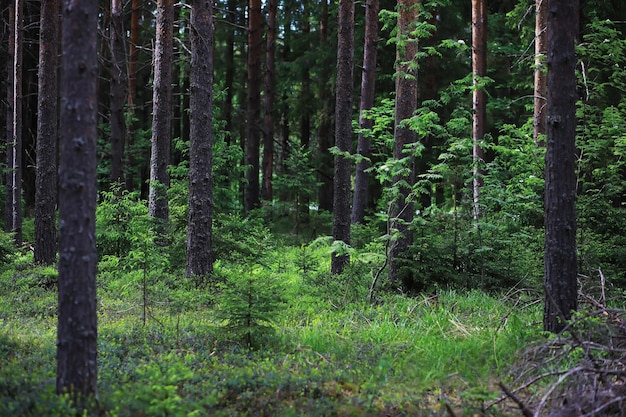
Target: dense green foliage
point(323, 351)
point(272, 332)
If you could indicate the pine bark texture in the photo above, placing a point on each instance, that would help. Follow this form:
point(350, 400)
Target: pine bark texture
point(8, 207)
point(77, 321)
point(479, 97)
point(15, 166)
point(368, 89)
point(270, 94)
point(343, 132)
point(133, 52)
point(118, 90)
point(560, 171)
point(47, 132)
point(326, 119)
point(200, 230)
point(541, 81)
point(406, 102)
point(253, 143)
point(161, 113)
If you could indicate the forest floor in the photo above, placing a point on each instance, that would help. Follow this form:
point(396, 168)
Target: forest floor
point(322, 350)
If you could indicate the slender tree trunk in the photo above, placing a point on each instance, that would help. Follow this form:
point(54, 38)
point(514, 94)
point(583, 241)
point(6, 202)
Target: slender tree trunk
point(200, 231)
point(343, 131)
point(327, 119)
point(270, 81)
point(8, 202)
point(47, 122)
point(284, 111)
point(16, 151)
point(229, 76)
point(305, 96)
point(133, 56)
point(540, 113)
point(118, 91)
point(479, 67)
point(161, 113)
point(406, 102)
point(368, 84)
point(5, 56)
point(77, 332)
point(560, 176)
point(255, 52)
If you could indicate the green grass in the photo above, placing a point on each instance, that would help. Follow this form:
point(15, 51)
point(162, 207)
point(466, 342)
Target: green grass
point(330, 353)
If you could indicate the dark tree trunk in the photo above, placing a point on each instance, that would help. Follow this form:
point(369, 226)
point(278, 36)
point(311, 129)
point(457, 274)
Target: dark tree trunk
point(327, 119)
point(270, 81)
point(255, 52)
point(133, 54)
point(560, 176)
point(479, 67)
point(5, 56)
point(15, 165)
point(284, 112)
point(118, 91)
point(47, 122)
point(406, 103)
point(8, 202)
point(229, 76)
point(77, 332)
point(540, 112)
point(368, 84)
point(343, 131)
point(161, 113)
point(200, 231)
point(305, 96)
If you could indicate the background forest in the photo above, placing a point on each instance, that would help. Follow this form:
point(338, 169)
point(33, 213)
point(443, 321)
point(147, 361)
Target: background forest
point(285, 235)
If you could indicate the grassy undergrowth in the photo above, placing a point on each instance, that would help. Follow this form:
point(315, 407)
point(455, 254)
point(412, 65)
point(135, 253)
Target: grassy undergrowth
point(321, 350)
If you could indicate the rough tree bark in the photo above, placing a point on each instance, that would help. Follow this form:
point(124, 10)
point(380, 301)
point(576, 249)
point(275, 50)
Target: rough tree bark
point(47, 122)
point(560, 176)
point(15, 166)
point(77, 332)
point(158, 207)
point(368, 85)
point(479, 98)
point(343, 132)
point(406, 103)
point(327, 118)
point(540, 112)
point(118, 91)
point(268, 121)
point(255, 52)
point(200, 231)
point(8, 206)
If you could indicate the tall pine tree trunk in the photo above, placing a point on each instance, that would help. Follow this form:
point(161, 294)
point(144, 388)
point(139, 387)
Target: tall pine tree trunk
point(47, 122)
point(133, 56)
point(479, 68)
point(8, 201)
point(16, 144)
point(255, 52)
point(540, 112)
point(343, 132)
point(327, 119)
point(118, 90)
point(229, 76)
point(406, 103)
point(368, 84)
point(161, 113)
point(200, 231)
point(560, 176)
point(270, 90)
point(77, 333)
